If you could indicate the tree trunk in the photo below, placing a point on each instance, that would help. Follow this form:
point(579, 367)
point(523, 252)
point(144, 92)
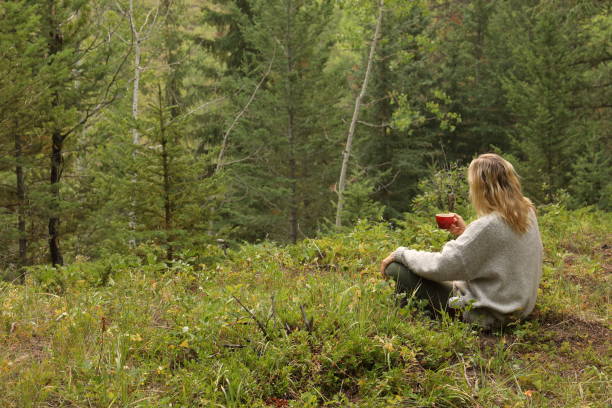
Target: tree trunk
point(167, 181)
point(293, 204)
point(171, 45)
point(136, 86)
point(56, 45)
point(135, 93)
point(293, 177)
point(349, 140)
point(21, 221)
point(54, 218)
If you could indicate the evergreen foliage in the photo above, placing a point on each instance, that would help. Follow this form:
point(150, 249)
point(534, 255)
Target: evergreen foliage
point(256, 102)
point(288, 141)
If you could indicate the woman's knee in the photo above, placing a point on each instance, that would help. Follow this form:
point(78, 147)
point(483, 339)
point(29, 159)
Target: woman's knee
point(401, 273)
point(394, 270)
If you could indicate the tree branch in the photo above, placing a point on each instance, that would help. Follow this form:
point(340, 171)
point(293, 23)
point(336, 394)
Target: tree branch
point(259, 324)
point(237, 118)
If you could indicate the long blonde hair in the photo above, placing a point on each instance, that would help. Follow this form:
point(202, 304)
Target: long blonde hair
point(495, 186)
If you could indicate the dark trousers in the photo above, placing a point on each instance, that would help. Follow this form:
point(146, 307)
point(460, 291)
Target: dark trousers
point(410, 284)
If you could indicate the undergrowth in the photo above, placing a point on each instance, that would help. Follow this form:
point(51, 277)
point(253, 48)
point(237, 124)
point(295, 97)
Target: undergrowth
point(306, 325)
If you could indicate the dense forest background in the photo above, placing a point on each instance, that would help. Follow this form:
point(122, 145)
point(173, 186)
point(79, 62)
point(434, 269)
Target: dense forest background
point(179, 123)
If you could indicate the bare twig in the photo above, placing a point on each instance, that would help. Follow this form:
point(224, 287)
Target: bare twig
point(237, 118)
point(234, 346)
point(259, 323)
point(374, 125)
point(308, 323)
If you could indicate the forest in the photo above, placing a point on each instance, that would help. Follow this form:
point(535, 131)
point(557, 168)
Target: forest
point(184, 183)
point(181, 123)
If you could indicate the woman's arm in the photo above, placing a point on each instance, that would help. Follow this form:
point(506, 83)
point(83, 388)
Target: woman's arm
point(385, 262)
point(460, 259)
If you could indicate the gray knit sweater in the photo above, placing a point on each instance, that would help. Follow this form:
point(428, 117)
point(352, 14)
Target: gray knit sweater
point(495, 270)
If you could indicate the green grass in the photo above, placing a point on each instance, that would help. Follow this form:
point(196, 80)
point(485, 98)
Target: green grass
point(321, 329)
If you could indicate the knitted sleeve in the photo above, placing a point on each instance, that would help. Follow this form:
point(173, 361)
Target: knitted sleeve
point(460, 259)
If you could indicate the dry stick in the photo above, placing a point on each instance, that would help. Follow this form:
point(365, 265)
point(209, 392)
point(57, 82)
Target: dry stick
point(259, 324)
point(307, 322)
point(237, 118)
point(103, 326)
point(349, 140)
point(271, 312)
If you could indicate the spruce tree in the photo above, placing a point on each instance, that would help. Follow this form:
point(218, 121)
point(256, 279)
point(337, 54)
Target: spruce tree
point(549, 87)
point(23, 98)
point(286, 148)
point(81, 74)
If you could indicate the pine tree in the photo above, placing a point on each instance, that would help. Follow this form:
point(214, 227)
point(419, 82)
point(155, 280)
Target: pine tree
point(540, 85)
point(82, 72)
point(470, 72)
point(23, 97)
point(287, 143)
point(229, 18)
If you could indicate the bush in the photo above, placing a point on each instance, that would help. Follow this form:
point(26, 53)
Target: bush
point(445, 190)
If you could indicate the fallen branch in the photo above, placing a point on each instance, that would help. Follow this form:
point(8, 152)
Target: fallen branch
point(259, 324)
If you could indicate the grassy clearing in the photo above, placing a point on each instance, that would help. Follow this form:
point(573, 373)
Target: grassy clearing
point(303, 326)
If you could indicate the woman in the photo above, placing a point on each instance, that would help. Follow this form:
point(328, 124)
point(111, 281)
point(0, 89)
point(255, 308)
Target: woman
point(493, 269)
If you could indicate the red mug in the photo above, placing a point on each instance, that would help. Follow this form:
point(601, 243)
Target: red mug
point(445, 220)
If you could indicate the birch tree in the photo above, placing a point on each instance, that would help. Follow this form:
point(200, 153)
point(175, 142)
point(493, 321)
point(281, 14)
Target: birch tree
point(358, 101)
point(140, 33)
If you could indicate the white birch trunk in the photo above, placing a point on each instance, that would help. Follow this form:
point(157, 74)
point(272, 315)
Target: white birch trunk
point(135, 93)
point(349, 140)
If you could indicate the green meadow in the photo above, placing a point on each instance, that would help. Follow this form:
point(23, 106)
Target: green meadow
point(306, 325)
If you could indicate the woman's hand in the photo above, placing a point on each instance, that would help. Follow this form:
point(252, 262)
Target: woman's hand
point(385, 262)
point(458, 227)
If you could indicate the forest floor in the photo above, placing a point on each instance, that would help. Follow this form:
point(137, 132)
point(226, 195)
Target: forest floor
point(306, 325)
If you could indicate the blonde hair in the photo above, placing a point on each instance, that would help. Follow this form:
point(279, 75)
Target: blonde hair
point(495, 186)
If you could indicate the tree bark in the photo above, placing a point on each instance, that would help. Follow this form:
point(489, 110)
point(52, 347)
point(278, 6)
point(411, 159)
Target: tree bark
point(136, 87)
point(167, 180)
point(136, 39)
point(21, 199)
point(56, 44)
point(349, 140)
point(54, 218)
point(293, 203)
point(171, 45)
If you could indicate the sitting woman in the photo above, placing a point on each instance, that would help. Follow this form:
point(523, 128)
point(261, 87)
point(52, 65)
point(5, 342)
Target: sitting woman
point(493, 269)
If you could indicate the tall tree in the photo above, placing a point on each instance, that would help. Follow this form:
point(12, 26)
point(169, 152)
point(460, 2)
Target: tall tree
point(23, 96)
point(82, 78)
point(286, 141)
point(358, 101)
point(229, 45)
point(549, 86)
